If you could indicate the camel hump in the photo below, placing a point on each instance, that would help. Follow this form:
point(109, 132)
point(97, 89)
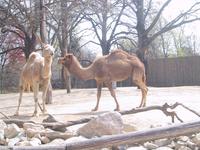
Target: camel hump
point(33, 56)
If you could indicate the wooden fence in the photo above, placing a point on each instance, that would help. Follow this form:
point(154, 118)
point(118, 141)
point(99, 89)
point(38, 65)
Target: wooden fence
point(174, 71)
point(163, 72)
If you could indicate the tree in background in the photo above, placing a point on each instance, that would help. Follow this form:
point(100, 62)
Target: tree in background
point(18, 18)
point(143, 25)
point(104, 16)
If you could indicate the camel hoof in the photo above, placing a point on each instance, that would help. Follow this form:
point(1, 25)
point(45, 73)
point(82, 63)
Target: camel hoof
point(141, 106)
point(16, 114)
point(95, 109)
point(35, 114)
point(45, 112)
point(116, 109)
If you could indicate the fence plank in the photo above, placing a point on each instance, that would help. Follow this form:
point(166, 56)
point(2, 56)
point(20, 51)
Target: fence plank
point(174, 71)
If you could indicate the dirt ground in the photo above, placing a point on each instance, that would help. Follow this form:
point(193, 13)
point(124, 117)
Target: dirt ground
point(79, 102)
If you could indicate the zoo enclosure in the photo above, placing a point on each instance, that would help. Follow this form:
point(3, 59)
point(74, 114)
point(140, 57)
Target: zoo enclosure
point(162, 72)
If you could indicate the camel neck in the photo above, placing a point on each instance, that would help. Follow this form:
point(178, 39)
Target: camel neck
point(79, 71)
point(46, 72)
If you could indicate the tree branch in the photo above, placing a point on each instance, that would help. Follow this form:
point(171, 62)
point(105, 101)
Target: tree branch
point(157, 16)
point(12, 49)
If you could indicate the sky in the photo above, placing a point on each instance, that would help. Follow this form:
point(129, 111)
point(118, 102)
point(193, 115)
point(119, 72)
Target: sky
point(177, 6)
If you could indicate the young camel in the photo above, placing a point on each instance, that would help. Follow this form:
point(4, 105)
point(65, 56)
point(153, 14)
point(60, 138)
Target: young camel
point(117, 66)
point(36, 71)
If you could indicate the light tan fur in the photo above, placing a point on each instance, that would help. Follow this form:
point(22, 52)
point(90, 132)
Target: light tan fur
point(36, 71)
point(117, 66)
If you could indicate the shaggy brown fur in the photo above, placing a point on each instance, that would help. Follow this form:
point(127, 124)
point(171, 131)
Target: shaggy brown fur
point(36, 71)
point(117, 66)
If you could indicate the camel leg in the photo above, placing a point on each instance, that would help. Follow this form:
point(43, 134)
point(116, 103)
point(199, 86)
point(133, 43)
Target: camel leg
point(144, 90)
point(112, 92)
point(35, 92)
point(44, 94)
point(20, 100)
point(99, 87)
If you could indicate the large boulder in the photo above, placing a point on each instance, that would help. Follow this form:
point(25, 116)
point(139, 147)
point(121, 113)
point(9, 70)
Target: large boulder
point(105, 124)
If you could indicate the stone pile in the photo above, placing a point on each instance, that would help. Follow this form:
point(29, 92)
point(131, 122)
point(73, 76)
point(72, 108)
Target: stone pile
point(106, 124)
point(180, 143)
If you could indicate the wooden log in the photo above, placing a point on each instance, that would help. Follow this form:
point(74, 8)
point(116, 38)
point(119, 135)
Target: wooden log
point(167, 109)
point(128, 138)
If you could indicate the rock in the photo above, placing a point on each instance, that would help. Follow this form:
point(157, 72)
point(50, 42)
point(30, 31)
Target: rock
point(196, 139)
point(48, 133)
point(149, 145)
point(163, 148)
point(3, 142)
point(183, 138)
point(11, 131)
point(184, 148)
point(31, 132)
point(75, 139)
point(129, 128)
point(179, 144)
point(2, 125)
point(121, 147)
point(36, 127)
point(50, 118)
point(55, 135)
point(162, 142)
point(56, 142)
point(24, 143)
point(45, 140)
point(13, 141)
point(105, 124)
point(35, 142)
point(20, 137)
point(1, 135)
point(137, 148)
point(191, 145)
point(172, 145)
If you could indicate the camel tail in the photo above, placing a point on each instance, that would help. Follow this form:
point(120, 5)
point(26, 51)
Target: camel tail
point(144, 78)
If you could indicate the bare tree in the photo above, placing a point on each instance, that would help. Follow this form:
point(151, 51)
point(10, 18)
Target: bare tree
point(142, 9)
point(104, 16)
point(17, 18)
point(68, 16)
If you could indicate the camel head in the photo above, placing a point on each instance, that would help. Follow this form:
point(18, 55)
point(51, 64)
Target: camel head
point(66, 60)
point(48, 50)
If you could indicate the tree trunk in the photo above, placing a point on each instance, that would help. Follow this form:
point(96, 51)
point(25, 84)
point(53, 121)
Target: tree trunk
point(66, 78)
point(64, 44)
point(143, 40)
point(43, 34)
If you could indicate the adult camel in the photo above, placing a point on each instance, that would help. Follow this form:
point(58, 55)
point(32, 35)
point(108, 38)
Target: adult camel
point(117, 66)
